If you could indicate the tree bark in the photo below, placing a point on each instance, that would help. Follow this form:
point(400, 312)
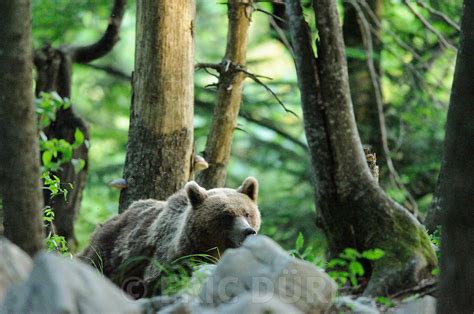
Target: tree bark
point(355, 212)
point(457, 187)
point(159, 150)
point(224, 122)
point(54, 73)
point(20, 186)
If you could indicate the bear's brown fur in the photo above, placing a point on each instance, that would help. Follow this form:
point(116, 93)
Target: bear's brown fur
point(191, 221)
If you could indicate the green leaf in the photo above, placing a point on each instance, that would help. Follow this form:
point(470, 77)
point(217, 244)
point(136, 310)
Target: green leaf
point(356, 268)
point(373, 254)
point(350, 254)
point(46, 158)
point(336, 262)
point(78, 138)
point(299, 242)
point(385, 301)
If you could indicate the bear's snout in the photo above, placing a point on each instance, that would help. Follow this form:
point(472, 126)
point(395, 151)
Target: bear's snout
point(240, 231)
point(249, 231)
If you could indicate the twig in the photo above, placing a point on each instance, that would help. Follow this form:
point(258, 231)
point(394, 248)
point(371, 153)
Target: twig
point(258, 81)
point(271, 126)
point(214, 66)
point(439, 14)
point(109, 70)
point(282, 36)
point(430, 27)
point(270, 14)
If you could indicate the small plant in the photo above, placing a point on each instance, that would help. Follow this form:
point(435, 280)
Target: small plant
point(386, 302)
point(46, 106)
point(348, 266)
point(54, 153)
point(173, 277)
point(306, 254)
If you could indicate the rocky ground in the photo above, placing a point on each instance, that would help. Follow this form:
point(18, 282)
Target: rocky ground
point(259, 277)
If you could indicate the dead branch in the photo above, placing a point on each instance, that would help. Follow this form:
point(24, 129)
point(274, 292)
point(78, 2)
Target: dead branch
point(108, 40)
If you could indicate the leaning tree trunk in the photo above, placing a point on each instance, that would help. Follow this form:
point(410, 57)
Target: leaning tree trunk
point(231, 78)
point(54, 73)
point(355, 211)
point(457, 186)
point(160, 145)
point(20, 187)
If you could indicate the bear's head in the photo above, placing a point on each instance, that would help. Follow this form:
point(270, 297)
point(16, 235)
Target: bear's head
point(221, 218)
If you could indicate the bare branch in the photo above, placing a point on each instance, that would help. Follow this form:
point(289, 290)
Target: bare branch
point(266, 123)
point(439, 15)
point(256, 79)
point(110, 70)
point(105, 44)
point(430, 27)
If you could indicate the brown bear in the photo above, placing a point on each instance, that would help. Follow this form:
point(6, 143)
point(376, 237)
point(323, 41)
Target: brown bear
point(191, 221)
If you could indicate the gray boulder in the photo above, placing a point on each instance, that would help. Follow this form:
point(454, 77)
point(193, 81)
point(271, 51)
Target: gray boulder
point(361, 305)
point(15, 265)
point(61, 285)
point(261, 272)
point(424, 305)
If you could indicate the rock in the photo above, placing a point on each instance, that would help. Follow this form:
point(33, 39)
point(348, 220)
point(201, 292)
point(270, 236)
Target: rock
point(254, 303)
point(15, 265)
point(61, 285)
point(424, 305)
point(262, 268)
point(361, 305)
point(160, 303)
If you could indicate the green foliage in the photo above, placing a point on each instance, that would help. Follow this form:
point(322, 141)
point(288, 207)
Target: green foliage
point(415, 89)
point(435, 237)
point(348, 266)
point(54, 185)
point(303, 253)
point(46, 106)
point(54, 153)
point(386, 302)
point(173, 277)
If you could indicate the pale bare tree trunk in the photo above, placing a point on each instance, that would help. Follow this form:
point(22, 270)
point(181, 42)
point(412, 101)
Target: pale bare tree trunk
point(355, 212)
point(20, 187)
point(159, 150)
point(456, 193)
point(224, 122)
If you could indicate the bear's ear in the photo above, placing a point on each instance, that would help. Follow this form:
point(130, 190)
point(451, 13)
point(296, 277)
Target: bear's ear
point(250, 188)
point(196, 194)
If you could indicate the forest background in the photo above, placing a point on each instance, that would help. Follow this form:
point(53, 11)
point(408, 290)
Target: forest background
point(416, 70)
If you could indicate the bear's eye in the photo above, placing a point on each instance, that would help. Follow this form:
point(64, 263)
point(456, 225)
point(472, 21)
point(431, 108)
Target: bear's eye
point(247, 215)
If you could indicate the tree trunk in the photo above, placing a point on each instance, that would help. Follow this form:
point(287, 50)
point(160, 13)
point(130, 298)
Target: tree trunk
point(159, 150)
point(457, 186)
point(224, 122)
point(362, 88)
point(54, 73)
point(355, 211)
point(20, 186)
